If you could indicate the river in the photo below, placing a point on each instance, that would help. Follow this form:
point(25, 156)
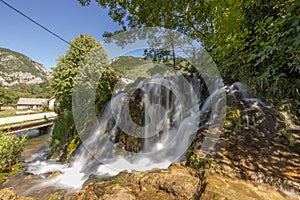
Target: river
point(35, 149)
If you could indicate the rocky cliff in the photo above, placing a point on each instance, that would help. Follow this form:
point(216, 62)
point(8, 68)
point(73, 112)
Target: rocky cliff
point(17, 68)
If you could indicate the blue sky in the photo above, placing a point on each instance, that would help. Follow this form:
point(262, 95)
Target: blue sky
point(66, 18)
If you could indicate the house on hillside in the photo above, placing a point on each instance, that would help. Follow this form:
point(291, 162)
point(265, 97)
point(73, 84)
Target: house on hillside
point(31, 103)
point(50, 102)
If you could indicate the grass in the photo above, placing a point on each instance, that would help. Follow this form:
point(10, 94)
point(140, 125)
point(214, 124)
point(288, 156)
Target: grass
point(12, 113)
point(7, 113)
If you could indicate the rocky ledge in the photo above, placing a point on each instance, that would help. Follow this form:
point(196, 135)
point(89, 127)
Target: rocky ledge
point(175, 183)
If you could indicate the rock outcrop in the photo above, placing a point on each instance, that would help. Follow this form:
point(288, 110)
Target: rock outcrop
point(17, 68)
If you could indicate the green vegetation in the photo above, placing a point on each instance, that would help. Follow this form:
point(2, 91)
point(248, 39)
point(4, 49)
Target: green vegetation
point(67, 67)
point(132, 67)
point(40, 90)
point(15, 66)
point(123, 64)
point(10, 150)
point(62, 83)
point(9, 96)
point(105, 88)
point(255, 42)
point(61, 132)
point(193, 160)
point(65, 136)
point(7, 113)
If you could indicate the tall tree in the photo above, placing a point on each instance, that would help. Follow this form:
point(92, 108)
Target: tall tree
point(256, 42)
point(67, 67)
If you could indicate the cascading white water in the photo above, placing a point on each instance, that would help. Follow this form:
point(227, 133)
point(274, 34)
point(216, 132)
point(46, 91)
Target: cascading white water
point(172, 107)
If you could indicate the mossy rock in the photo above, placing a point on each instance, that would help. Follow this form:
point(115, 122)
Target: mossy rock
point(129, 142)
point(72, 143)
point(59, 195)
point(136, 107)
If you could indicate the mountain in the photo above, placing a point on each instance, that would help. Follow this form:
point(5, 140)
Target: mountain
point(17, 68)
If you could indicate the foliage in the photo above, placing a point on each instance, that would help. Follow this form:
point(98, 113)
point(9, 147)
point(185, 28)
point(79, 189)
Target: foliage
point(233, 120)
point(193, 160)
point(60, 131)
point(86, 61)
point(256, 42)
point(10, 150)
point(14, 170)
point(73, 144)
point(39, 90)
point(10, 95)
point(123, 64)
point(67, 67)
point(268, 58)
point(105, 88)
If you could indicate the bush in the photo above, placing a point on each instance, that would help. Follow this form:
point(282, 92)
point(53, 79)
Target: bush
point(60, 131)
point(10, 150)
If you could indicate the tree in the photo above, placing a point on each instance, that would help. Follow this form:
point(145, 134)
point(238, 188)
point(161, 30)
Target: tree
point(248, 40)
point(67, 67)
point(81, 71)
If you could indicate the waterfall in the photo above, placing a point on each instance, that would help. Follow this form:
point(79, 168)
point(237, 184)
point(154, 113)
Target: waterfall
point(172, 108)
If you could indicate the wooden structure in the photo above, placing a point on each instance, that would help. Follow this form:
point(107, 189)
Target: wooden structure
point(26, 126)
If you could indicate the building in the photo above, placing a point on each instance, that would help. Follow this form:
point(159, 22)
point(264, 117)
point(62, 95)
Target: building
point(31, 103)
point(50, 102)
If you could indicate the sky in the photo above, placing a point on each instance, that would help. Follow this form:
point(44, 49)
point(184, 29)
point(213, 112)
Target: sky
point(66, 18)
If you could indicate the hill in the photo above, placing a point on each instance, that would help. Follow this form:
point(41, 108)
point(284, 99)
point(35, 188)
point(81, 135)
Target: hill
point(16, 68)
point(132, 67)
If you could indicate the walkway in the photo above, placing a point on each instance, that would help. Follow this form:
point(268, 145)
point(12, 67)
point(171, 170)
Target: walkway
point(16, 119)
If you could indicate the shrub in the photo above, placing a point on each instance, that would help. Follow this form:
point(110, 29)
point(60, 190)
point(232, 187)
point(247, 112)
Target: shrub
point(10, 150)
point(60, 131)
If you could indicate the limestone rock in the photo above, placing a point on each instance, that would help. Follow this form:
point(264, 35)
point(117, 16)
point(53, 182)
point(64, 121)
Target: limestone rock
point(7, 194)
point(219, 188)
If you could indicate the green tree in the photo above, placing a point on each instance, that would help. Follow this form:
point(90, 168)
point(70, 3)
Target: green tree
point(256, 42)
point(84, 80)
point(67, 67)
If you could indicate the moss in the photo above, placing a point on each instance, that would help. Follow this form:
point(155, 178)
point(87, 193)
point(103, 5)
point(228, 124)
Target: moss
point(233, 119)
point(193, 160)
point(62, 133)
point(14, 170)
point(57, 195)
point(72, 146)
point(72, 143)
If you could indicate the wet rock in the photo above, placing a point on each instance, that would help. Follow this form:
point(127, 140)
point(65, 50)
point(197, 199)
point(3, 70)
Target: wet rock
point(257, 144)
point(7, 194)
point(54, 174)
point(177, 182)
point(118, 193)
point(219, 188)
point(59, 195)
point(181, 186)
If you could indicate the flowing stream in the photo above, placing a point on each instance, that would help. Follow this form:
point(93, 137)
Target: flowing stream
point(174, 110)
